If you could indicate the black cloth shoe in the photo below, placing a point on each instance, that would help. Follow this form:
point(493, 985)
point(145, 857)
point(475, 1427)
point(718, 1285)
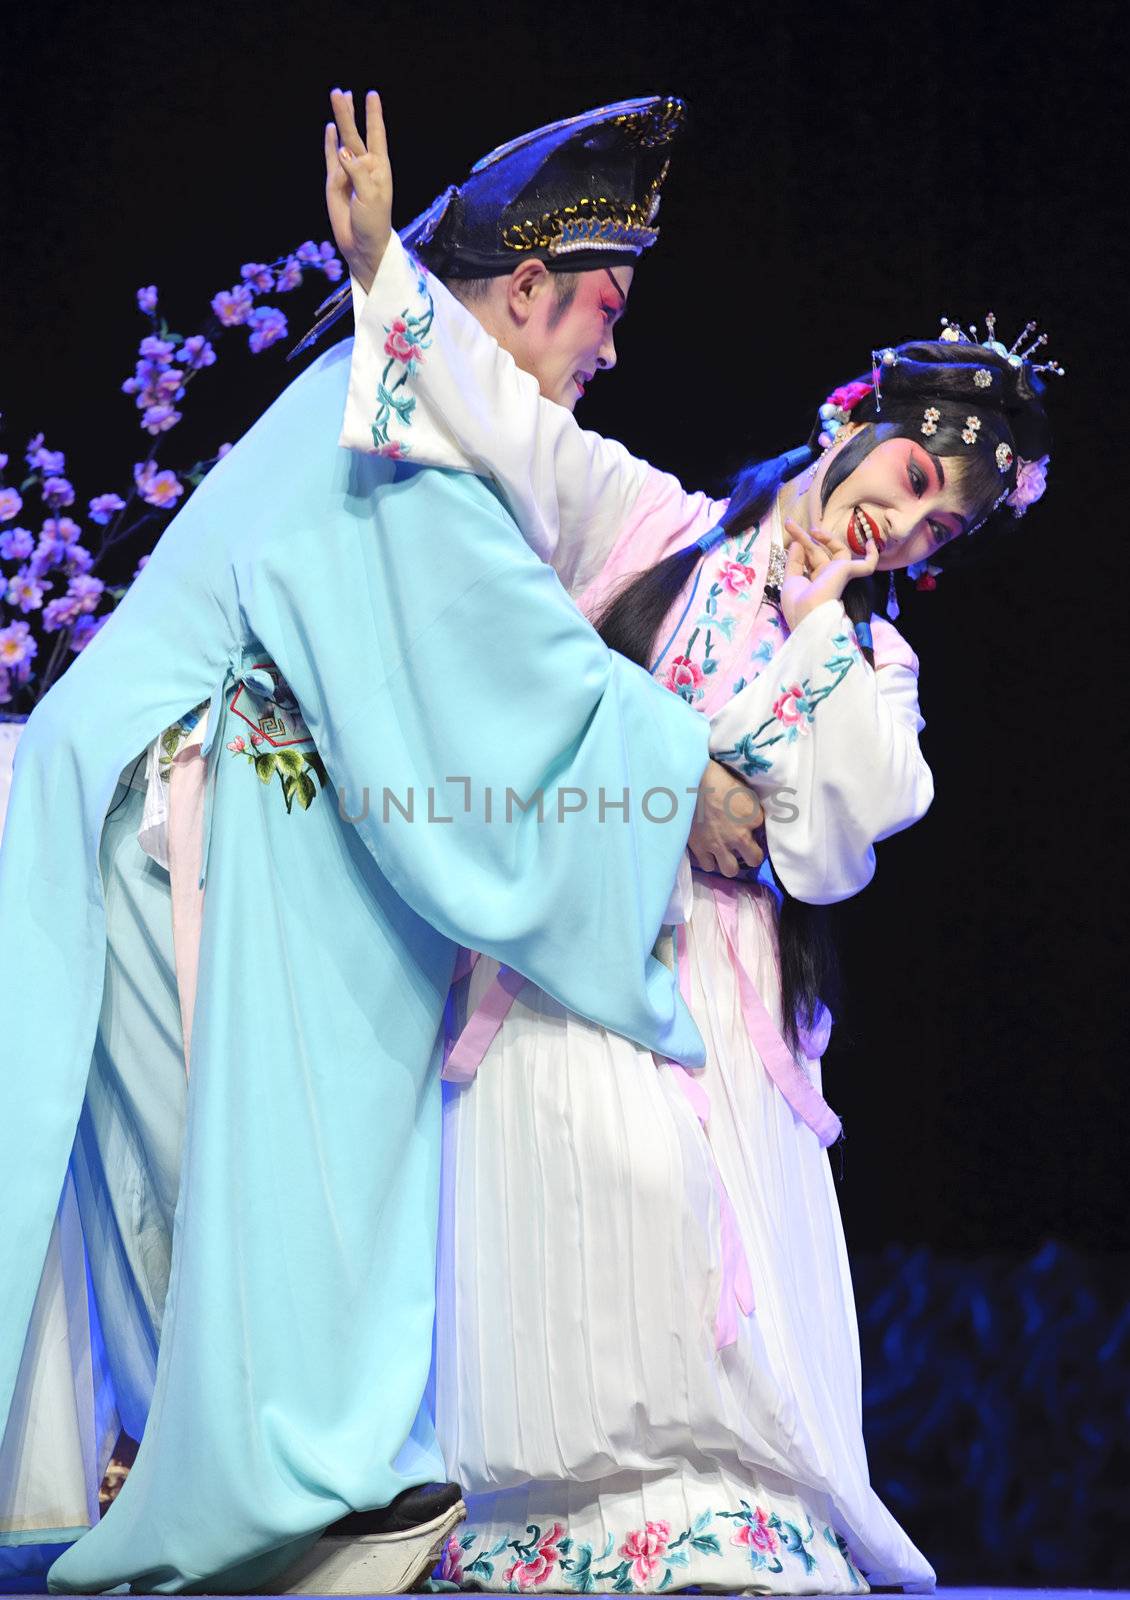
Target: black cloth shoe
point(412, 1508)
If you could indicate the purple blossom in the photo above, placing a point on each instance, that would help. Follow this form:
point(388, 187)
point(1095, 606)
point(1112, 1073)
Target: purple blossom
point(267, 325)
point(17, 544)
point(26, 591)
point(222, 451)
point(42, 460)
point(159, 419)
point(147, 299)
point(60, 613)
point(5, 686)
point(233, 306)
point(161, 489)
point(58, 491)
point(141, 565)
point(197, 352)
point(86, 590)
point(85, 629)
point(10, 504)
point(79, 559)
point(290, 277)
point(49, 552)
point(332, 270)
point(63, 530)
point(3, 461)
point(158, 350)
point(17, 645)
point(105, 506)
point(309, 253)
point(258, 276)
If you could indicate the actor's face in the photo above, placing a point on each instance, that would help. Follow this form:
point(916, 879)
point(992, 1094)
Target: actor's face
point(907, 500)
point(565, 346)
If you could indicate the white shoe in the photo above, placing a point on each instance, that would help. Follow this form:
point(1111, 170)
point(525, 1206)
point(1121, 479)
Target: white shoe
point(379, 1552)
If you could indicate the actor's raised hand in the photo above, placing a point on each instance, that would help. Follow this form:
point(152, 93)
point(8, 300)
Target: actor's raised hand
point(358, 184)
point(819, 568)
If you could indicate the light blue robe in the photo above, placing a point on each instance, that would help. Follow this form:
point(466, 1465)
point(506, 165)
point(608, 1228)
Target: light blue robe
point(424, 642)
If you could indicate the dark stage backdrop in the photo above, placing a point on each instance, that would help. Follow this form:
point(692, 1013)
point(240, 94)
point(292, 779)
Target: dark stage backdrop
point(849, 175)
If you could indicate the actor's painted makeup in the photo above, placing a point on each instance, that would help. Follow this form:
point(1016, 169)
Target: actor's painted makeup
point(907, 500)
point(566, 350)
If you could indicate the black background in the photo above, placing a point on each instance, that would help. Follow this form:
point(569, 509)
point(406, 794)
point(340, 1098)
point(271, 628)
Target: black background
point(850, 174)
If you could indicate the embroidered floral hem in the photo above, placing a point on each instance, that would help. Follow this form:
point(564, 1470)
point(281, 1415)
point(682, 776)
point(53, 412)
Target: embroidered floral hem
point(766, 1543)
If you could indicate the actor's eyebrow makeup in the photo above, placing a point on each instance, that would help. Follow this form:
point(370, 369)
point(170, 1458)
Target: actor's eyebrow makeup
point(616, 286)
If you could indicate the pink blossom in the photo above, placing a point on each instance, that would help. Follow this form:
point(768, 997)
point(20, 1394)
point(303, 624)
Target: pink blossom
point(10, 505)
point(86, 590)
point(790, 707)
point(683, 674)
point(17, 644)
point(393, 450)
point(737, 578)
point(400, 344)
point(290, 277)
point(85, 629)
point(58, 492)
point(159, 419)
point(147, 299)
point(258, 276)
point(237, 745)
point(159, 350)
point(267, 325)
point(25, 591)
point(256, 738)
point(17, 544)
point(451, 1568)
point(157, 488)
point(105, 506)
point(539, 1569)
point(233, 306)
point(644, 1549)
point(848, 395)
point(757, 1535)
point(197, 352)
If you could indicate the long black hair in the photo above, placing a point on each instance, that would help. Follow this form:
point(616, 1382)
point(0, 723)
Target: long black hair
point(959, 380)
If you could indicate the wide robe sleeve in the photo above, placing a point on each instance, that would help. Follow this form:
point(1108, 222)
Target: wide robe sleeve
point(442, 670)
point(429, 384)
point(832, 749)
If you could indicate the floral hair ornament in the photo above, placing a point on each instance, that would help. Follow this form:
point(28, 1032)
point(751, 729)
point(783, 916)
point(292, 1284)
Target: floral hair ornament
point(836, 411)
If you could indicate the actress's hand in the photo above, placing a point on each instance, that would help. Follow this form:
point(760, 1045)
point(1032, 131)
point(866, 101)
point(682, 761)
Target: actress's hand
point(358, 185)
point(819, 567)
point(728, 815)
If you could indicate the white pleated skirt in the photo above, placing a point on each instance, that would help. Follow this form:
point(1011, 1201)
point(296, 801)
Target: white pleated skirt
point(603, 1441)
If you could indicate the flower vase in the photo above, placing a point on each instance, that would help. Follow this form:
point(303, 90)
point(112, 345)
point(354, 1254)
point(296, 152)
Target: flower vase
point(10, 730)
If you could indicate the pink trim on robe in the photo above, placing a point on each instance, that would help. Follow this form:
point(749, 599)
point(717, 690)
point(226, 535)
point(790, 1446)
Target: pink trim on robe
point(187, 780)
point(464, 1057)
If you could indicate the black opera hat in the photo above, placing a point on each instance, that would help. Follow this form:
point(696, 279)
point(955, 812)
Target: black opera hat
point(577, 194)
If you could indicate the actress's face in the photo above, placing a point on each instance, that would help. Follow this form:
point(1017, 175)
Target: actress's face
point(903, 497)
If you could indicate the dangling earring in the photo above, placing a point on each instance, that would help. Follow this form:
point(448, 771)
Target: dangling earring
point(924, 573)
point(892, 598)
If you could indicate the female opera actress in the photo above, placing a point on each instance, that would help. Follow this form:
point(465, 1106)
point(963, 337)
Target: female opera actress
point(647, 1362)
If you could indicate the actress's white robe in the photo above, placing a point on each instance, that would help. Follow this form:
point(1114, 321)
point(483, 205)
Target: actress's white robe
point(604, 1437)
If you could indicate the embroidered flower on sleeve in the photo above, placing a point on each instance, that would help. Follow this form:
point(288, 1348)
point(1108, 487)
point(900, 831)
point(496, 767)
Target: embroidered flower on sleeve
point(793, 709)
